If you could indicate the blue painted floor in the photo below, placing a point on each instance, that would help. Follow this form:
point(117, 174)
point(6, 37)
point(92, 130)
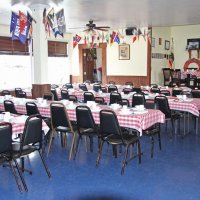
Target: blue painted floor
point(173, 174)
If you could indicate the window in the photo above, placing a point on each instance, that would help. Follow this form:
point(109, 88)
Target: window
point(58, 63)
point(15, 64)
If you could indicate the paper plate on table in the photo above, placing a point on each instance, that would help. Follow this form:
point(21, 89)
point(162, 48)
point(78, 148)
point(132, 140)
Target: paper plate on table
point(140, 111)
point(125, 112)
point(188, 100)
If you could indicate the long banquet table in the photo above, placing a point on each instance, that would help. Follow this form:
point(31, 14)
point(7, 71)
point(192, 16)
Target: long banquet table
point(139, 121)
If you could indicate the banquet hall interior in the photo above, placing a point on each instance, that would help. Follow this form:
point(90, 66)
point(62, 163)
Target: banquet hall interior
point(109, 92)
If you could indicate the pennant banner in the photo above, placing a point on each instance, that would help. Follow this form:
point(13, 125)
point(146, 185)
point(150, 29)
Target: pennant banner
point(76, 40)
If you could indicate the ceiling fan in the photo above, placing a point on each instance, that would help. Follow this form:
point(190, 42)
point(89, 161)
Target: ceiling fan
point(92, 27)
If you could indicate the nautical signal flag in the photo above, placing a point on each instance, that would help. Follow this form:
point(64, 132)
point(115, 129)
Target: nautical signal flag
point(117, 39)
point(76, 40)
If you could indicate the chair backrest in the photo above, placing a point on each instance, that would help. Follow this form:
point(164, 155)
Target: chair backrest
point(112, 88)
point(166, 74)
point(115, 97)
point(196, 93)
point(73, 98)
point(17, 90)
point(87, 81)
point(112, 82)
point(127, 90)
point(165, 92)
point(138, 99)
point(109, 123)
point(64, 94)
point(31, 109)
point(84, 117)
point(155, 90)
point(137, 89)
point(176, 92)
point(54, 92)
point(21, 94)
point(104, 89)
point(163, 105)
point(32, 133)
point(54, 86)
point(124, 102)
point(96, 87)
point(83, 87)
point(99, 100)
point(59, 116)
point(88, 96)
point(48, 96)
point(5, 138)
point(9, 107)
point(5, 92)
point(187, 93)
point(129, 83)
point(68, 85)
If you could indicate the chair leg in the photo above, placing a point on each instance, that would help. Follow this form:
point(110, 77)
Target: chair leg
point(91, 144)
point(114, 150)
point(86, 146)
point(139, 151)
point(50, 141)
point(72, 146)
point(124, 160)
point(15, 175)
point(45, 165)
point(99, 154)
point(76, 149)
point(159, 140)
point(152, 146)
point(173, 127)
point(21, 175)
point(61, 139)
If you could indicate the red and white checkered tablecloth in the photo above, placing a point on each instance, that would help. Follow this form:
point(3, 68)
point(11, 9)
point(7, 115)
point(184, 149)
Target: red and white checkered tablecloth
point(193, 73)
point(135, 121)
point(18, 127)
point(192, 106)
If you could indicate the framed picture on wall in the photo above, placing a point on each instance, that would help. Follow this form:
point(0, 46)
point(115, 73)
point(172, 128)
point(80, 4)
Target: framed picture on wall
point(167, 45)
point(124, 52)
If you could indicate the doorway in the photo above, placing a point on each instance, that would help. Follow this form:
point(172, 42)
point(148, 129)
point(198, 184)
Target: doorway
point(92, 65)
point(100, 63)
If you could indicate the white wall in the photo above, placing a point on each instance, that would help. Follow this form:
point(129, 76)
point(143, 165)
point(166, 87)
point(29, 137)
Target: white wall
point(136, 66)
point(180, 35)
point(157, 64)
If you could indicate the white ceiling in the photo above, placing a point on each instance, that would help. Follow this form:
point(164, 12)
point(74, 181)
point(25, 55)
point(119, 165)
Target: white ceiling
point(116, 13)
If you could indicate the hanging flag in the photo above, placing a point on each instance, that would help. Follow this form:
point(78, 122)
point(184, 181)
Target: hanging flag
point(29, 25)
point(85, 40)
point(112, 36)
point(171, 56)
point(17, 35)
point(61, 22)
point(134, 38)
point(13, 22)
point(139, 32)
point(149, 35)
point(50, 18)
point(22, 21)
point(46, 22)
point(76, 40)
point(117, 39)
point(107, 38)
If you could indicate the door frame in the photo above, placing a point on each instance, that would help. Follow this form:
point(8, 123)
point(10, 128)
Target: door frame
point(103, 46)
